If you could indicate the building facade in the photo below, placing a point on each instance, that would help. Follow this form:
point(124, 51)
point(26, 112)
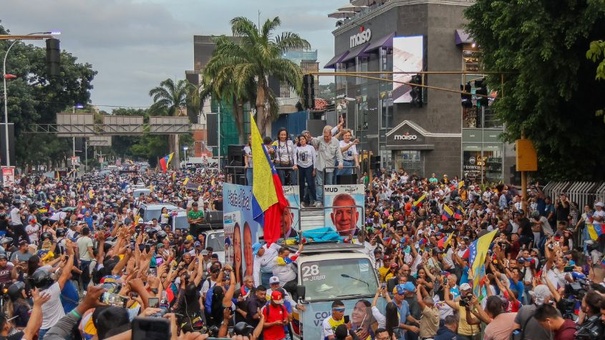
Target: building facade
point(423, 129)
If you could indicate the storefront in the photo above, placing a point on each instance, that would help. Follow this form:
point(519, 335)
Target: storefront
point(403, 39)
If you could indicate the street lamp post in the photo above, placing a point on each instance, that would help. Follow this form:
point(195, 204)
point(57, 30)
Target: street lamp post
point(30, 36)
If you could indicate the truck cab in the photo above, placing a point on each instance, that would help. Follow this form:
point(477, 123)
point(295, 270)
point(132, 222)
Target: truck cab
point(328, 272)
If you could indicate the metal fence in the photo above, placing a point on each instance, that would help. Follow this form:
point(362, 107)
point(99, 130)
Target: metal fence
point(582, 193)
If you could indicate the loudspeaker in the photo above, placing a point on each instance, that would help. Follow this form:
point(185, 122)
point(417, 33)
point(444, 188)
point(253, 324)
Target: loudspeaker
point(235, 155)
point(346, 179)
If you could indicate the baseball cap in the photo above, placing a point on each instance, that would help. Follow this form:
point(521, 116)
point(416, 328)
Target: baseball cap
point(255, 248)
point(277, 297)
point(465, 286)
point(599, 204)
point(189, 238)
point(204, 252)
point(399, 289)
point(409, 287)
point(273, 279)
point(197, 244)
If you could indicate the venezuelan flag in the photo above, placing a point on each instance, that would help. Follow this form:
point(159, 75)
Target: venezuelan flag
point(419, 200)
point(459, 213)
point(186, 181)
point(165, 162)
point(478, 251)
point(268, 200)
point(447, 212)
point(594, 230)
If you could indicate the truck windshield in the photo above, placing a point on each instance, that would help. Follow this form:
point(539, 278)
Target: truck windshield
point(216, 241)
point(338, 279)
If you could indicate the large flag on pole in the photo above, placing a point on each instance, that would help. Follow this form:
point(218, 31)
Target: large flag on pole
point(268, 200)
point(478, 251)
point(165, 162)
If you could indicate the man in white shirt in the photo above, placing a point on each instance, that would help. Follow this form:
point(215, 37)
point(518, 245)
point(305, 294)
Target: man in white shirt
point(52, 311)
point(85, 249)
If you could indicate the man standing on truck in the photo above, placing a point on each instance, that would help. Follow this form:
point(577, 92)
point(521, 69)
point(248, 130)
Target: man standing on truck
point(195, 217)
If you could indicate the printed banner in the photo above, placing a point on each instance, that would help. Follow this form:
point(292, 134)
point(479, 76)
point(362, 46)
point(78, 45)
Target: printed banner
point(345, 206)
point(241, 231)
point(8, 175)
point(290, 219)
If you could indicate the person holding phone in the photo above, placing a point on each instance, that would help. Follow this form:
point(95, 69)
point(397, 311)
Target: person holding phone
point(276, 318)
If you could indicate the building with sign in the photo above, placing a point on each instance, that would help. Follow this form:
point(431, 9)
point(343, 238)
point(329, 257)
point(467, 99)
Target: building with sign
point(422, 130)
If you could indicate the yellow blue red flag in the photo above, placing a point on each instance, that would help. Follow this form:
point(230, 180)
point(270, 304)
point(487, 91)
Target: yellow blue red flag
point(165, 162)
point(268, 200)
point(478, 251)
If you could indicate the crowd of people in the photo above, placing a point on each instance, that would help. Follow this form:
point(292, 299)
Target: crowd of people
point(77, 261)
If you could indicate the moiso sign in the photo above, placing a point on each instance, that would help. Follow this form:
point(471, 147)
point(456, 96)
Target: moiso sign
point(360, 38)
point(405, 137)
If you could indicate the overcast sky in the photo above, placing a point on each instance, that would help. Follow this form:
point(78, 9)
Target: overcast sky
point(135, 44)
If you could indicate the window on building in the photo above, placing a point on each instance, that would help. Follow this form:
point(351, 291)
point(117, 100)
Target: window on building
point(410, 161)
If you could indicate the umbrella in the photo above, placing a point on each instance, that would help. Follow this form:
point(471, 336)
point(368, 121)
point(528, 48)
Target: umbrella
point(341, 15)
point(352, 8)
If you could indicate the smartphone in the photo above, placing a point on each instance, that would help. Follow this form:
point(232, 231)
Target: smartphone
point(347, 319)
point(150, 329)
point(113, 299)
point(153, 302)
point(383, 286)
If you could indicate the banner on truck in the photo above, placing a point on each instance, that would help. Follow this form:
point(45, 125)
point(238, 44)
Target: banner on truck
point(345, 208)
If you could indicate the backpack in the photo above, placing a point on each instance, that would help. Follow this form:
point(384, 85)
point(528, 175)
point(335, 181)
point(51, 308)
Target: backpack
point(208, 299)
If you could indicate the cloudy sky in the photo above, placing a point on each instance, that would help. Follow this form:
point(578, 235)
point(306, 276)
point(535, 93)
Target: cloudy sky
point(135, 44)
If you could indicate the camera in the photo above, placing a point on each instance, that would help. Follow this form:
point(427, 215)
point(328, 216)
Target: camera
point(465, 300)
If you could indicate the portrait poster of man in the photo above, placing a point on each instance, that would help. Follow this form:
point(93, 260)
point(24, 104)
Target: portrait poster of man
point(344, 205)
point(290, 220)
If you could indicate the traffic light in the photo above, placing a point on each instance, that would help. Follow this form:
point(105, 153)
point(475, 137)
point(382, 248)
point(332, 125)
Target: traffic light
point(53, 57)
point(308, 91)
point(481, 93)
point(467, 97)
point(416, 91)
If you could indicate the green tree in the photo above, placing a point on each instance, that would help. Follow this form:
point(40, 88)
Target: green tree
point(548, 89)
point(35, 98)
point(170, 99)
point(255, 55)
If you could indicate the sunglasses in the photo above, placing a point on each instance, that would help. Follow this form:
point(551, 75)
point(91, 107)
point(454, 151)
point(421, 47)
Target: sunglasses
point(341, 310)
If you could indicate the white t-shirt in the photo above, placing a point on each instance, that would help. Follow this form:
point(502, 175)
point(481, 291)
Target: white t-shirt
point(305, 156)
point(52, 310)
point(284, 152)
point(350, 153)
point(248, 155)
point(15, 215)
point(83, 243)
point(33, 232)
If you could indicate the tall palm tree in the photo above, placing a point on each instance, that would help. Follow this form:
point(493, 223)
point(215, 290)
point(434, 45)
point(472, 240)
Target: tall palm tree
point(255, 55)
point(170, 99)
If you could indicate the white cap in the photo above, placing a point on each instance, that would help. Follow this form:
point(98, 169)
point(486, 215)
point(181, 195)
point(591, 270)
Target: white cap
point(599, 204)
point(273, 279)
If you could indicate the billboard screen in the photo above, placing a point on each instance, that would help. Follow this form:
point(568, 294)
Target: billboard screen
point(408, 56)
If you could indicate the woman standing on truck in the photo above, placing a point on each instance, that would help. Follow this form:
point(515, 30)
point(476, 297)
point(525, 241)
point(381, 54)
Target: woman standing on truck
point(305, 157)
point(285, 160)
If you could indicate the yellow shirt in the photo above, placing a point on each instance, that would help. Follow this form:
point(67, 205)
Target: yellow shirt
point(463, 327)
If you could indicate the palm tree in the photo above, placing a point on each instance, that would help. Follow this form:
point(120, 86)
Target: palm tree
point(171, 99)
point(252, 58)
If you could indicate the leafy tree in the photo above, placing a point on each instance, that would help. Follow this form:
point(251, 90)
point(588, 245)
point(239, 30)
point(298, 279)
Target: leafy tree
point(35, 98)
point(170, 99)
point(548, 90)
point(255, 55)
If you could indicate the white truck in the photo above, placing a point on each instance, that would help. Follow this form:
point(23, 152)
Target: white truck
point(328, 272)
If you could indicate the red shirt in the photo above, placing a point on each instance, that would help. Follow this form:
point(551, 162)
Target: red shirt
point(567, 331)
point(274, 313)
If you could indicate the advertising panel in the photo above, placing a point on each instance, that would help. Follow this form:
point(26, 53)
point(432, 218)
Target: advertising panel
point(291, 220)
point(408, 56)
point(346, 202)
point(242, 231)
point(8, 176)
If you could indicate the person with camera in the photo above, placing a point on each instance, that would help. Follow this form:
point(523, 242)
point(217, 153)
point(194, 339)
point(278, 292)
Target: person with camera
point(589, 319)
point(469, 326)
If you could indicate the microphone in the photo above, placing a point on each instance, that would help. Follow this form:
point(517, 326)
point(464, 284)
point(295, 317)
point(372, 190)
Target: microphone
point(355, 278)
